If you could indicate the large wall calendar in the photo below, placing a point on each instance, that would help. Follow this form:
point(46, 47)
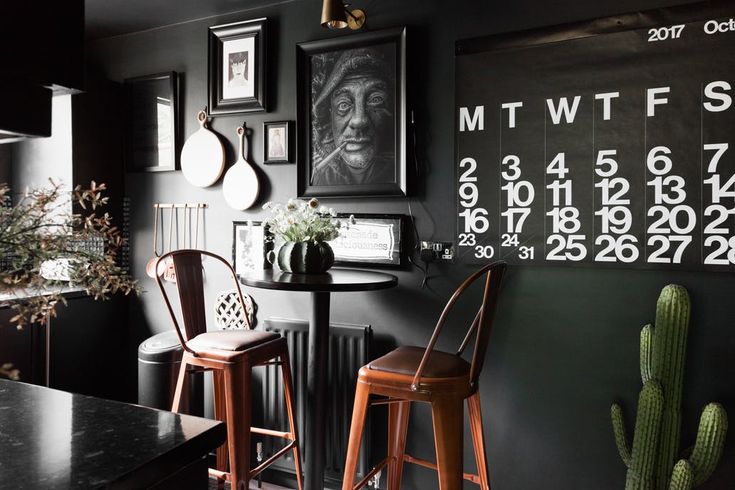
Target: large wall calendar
point(606, 143)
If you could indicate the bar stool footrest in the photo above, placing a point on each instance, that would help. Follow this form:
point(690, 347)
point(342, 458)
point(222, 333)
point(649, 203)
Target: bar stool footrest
point(371, 474)
point(428, 464)
point(265, 464)
point(220, 475)
point(272, 433)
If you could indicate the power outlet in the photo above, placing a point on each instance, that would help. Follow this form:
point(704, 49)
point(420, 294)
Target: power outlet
point(435, 251)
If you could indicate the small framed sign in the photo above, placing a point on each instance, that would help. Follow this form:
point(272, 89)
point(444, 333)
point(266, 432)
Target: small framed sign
point(250, 246)
point(373, 239)
point(277, 142)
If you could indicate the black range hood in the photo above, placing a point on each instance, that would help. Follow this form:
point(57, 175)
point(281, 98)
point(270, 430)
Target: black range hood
point(26, 111)
point(36, 62)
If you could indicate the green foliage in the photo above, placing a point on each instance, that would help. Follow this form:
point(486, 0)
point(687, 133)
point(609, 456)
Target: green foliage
point(652, 464)
point(37, 230)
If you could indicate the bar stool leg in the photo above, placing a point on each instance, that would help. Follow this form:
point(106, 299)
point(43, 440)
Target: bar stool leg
point(181, 384)
point(220, 413)
point(237, 383)
point(290, 404)
point(448, 418)
point(397, 429)
point(359, 411)
point(478, 439)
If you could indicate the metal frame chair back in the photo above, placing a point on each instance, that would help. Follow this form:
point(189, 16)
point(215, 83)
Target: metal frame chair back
point(190, 286)
point(481, 326)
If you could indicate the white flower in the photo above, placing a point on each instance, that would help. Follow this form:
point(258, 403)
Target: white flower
point(300, 220)
point(352, 219)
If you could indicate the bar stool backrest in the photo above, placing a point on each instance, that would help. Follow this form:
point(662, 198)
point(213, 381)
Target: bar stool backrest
point(481, 326)
point(190, 286)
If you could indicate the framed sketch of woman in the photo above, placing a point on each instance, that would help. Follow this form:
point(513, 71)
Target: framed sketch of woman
point(237, 67)
point(351, 103)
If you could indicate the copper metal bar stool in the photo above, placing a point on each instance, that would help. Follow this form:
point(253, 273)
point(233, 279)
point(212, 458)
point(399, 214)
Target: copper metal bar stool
point(230, 355)
point(444, 380)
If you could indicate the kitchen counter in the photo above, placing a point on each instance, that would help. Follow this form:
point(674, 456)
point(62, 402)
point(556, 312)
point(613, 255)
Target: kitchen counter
point(8, 296)
point(59, 440)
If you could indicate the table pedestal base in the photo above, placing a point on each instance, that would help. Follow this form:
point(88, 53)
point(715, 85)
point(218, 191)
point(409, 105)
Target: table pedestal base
point(316, 384)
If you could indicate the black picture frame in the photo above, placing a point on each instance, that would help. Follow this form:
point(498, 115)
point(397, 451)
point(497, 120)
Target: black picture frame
point(320, 68)
point(151, 132)
point(284, 156)
point(245, 88)
point(258, 255)
point(371, 229)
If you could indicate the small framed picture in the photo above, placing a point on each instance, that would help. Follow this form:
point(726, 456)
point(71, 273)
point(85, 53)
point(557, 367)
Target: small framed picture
point(373, 239)
point(237, 67)
point(351, 115)
point(277, 142)
point(251, 243)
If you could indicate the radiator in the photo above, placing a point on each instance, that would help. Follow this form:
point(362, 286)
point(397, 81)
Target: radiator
point(349, 349)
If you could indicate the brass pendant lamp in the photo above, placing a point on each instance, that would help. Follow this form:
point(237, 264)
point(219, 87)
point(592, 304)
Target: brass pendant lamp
point(336, 16)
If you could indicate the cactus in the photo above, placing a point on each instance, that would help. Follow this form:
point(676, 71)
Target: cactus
point(654, 463)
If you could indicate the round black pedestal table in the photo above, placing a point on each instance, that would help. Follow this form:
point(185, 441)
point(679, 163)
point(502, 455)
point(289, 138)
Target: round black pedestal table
point(320, 286)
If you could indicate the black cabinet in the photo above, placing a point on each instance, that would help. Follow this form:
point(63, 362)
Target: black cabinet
point(41, 51)
point(43, 43)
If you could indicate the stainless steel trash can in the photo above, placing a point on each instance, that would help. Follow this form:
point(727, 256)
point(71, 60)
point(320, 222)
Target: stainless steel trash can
point(159, 360)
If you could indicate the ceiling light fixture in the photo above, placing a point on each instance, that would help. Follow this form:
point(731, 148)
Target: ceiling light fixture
point(336, 16)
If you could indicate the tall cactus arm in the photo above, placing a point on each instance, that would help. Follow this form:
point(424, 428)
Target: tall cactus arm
point(621, 435)
point(647, 427)
point(682, 477)
point(669, 354)
point(646, 353)
point(710, 442)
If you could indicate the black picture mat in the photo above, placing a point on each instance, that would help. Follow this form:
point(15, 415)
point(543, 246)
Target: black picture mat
point(604, 55)
point(398, 253)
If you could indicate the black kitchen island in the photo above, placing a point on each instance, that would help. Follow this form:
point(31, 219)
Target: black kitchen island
point(59, 440)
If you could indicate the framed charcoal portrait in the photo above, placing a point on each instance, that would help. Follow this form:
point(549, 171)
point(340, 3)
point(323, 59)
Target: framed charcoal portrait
point(151, 124)
point(351, 115)
point(250, 245)
point(237, 67)
point(277, 147)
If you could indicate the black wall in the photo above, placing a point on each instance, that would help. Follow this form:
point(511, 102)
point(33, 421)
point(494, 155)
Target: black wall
point(566, 340)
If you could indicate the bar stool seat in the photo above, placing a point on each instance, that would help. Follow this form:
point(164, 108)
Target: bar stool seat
point(406, 360)
point(230, 340)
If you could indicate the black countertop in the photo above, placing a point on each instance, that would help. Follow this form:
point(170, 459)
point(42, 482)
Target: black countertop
point(8, 296)
point(51, 439)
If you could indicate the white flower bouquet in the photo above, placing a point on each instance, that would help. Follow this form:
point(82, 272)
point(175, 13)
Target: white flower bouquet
point(303, 221)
